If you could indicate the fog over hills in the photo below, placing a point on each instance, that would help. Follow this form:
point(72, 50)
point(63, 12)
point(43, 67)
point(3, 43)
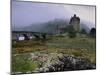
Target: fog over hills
point(50, 26)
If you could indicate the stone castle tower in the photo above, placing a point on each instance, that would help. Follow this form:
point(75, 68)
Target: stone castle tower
point(75, 22)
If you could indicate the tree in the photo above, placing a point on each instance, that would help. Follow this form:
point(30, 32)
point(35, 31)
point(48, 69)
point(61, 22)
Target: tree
point(83, 31)
point(92, 32)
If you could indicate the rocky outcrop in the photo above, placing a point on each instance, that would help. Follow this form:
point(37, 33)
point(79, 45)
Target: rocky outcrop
point(55, 62)
point(68, 63)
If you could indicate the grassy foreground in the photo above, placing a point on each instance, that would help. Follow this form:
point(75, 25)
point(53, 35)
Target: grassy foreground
point(79, 47)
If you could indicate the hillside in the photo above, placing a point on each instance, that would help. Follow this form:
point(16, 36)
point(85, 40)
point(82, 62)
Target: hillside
point(49, 26)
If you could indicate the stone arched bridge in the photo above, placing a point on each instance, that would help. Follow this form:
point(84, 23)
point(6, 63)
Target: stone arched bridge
point(27, 35)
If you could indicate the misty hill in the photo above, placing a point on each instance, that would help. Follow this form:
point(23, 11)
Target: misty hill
point(49, 27)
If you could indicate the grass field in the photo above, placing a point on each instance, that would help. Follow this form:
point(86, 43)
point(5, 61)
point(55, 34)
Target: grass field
point(79, 47)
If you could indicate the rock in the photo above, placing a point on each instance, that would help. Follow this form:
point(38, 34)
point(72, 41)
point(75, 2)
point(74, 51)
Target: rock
point(68, 63)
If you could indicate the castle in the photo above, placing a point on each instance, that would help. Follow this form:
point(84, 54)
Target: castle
point(75, 22)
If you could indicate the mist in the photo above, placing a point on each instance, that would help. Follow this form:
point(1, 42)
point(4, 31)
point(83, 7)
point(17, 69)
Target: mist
point(35, 14)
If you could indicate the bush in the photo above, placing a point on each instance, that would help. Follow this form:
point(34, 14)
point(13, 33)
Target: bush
point(83, 31)
point(72, 34)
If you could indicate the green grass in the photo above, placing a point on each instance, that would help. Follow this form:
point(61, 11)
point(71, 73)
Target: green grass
point(79, 47)
point(75, 43)
point(20, 63)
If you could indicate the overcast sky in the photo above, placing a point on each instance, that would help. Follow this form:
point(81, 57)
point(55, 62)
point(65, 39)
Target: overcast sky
point(27, 13)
